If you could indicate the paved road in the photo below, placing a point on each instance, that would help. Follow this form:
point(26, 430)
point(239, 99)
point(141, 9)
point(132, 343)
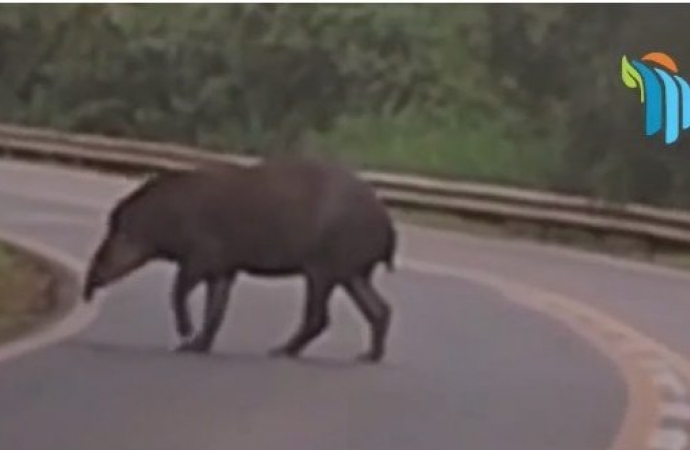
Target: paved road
point(466, 369)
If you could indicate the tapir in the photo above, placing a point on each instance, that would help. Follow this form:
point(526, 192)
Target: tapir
point(285, 216)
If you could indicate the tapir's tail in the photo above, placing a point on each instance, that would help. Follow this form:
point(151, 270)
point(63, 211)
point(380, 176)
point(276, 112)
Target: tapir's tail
point(391, 247)
point(390, 264)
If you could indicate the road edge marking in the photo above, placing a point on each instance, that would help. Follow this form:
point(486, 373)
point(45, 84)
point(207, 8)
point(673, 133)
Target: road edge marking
point(637, 423)
point(662, 437)
point(646, 424)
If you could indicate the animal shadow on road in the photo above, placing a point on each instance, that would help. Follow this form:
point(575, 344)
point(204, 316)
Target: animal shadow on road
point(128, 350)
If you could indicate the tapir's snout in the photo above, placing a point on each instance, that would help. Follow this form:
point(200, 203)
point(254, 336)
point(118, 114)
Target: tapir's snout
point(88, 294)
point(90, 287)
point(115, 258)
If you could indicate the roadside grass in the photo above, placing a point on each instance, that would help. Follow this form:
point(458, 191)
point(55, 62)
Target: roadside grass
point(455, 148)
point(25, 298)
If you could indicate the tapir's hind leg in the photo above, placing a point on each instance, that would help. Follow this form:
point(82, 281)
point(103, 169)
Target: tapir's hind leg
point(375, 309)
point(315, 316)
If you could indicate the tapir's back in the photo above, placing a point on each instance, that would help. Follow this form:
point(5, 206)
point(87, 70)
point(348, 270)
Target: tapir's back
point(272, 215)
point(351, 227)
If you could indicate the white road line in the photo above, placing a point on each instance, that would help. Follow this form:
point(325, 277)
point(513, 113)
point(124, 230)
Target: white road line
point(668, 439)
point(675, 411)
point(654, 364)
point(664, 436)
point(670, 381)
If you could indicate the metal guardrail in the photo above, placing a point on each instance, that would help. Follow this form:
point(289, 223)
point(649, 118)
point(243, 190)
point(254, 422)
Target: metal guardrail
point(659, 227)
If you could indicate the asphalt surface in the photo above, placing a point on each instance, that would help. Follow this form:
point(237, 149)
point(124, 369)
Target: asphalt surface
point(466, 368)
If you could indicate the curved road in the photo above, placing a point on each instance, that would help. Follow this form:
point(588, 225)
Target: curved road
point(468, 367)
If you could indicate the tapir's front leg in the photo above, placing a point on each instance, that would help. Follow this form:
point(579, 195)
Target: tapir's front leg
point(183, 285)
point(217, 299)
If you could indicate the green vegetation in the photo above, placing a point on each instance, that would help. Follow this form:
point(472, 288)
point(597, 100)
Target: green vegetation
point(527, 94)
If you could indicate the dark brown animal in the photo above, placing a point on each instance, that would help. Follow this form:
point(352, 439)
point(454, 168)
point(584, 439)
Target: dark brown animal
point(286, 216)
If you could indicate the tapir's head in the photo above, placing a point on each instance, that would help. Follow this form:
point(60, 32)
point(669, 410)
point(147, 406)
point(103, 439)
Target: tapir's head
point(121, 251)
point(114, 258)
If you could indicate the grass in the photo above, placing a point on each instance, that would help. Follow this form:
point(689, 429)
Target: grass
point(25, 297)
point(457, 147)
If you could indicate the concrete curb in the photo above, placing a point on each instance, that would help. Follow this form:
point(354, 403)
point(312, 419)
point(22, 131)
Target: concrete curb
point(72, 316)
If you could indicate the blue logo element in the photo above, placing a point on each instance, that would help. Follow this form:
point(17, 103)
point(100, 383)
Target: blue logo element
point(666, 96)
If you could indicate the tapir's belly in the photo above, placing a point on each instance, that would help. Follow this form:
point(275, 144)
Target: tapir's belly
point(270, 257)
point(272, 271)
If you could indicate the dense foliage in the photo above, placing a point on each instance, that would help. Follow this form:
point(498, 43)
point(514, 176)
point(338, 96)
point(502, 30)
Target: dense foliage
point(523, 94)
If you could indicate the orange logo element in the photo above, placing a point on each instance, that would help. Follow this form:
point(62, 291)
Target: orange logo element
point(661, 59)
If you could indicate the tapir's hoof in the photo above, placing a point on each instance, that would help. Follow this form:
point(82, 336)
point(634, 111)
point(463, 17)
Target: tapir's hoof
point(283, 352)
point(193, 346)
point(185, 331)
point(370, 358)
